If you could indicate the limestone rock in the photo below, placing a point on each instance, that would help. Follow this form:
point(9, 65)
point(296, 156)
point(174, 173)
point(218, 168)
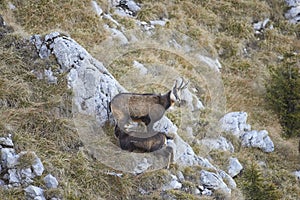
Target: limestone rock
point(165, 125)
point(228, 179)
point(234, 167)
point(129, 6)
point(258, 139)
point(293, 14)
point(50, 181)
point(2, 183)
point(9, 157)
point(141, 167)
point(297, 175)
point(235, 122)
point(6, 141)
point(33, 192)
point(97, 8)
point(212, 181)
point(158, 22)
point(50, 77)
point(219, 143)
point(173, 184)
point(14, 176)
point(92, 84)
point(180, 176)
point(260, 26)
point(37, 165)
point(184, 154)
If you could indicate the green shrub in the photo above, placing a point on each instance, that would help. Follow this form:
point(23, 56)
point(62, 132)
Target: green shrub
point(255, 187)
point(283, 94)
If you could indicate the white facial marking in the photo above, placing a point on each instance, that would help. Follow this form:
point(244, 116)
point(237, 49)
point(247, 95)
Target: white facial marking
point(172, 97)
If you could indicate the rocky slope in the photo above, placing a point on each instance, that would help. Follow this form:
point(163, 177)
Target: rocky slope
point(201, 129)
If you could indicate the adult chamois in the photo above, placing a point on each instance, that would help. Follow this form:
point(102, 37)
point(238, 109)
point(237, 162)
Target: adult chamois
point(131, 143)
point(148, 108)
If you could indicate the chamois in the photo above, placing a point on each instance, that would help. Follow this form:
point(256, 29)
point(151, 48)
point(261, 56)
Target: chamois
point(131, 143)
point(148, 108)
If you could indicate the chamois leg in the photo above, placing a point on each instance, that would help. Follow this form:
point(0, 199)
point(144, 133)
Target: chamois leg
point(150, 128)
point(170, 156)
point(156, 112)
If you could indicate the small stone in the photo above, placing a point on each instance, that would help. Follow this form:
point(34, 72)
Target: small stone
point(180, 176)
point(97, 8)
point(213, 181)
point(39, 198)
point(11, 6)
point(158, 22)
point(50, 77)
point(234, 167)
point(297, 175)
point(228, 179)
point(197, 191)
point(2, 183)
point(207, 192)
point(37, 166)
point(14, 176)
point(5, 141)
point(8, 157)
point(33, 192)
point(27, 172)
point(173, 184)
point(26, 175)
point(142, 191)
point(236, 123)
point(50, 181)
point(141, 167)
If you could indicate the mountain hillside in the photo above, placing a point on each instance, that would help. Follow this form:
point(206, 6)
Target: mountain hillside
point(235, 136)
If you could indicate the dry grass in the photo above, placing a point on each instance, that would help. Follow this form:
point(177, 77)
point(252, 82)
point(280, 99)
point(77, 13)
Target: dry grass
point(39, 115)
point(77, 18)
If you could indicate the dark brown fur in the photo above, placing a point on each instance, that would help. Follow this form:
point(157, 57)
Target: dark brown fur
point(131, 143)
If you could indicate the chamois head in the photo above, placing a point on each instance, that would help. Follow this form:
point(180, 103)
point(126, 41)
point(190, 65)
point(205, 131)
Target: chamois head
point(175, 94)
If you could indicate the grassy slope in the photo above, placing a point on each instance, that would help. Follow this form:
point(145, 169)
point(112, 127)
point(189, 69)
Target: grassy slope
point(39, 121)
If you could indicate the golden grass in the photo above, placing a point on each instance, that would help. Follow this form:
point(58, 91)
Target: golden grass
point(74, 17)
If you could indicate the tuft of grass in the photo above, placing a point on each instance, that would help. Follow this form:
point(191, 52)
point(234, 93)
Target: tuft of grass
point(75, 17)
point(177, 194)
point(26, 160)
